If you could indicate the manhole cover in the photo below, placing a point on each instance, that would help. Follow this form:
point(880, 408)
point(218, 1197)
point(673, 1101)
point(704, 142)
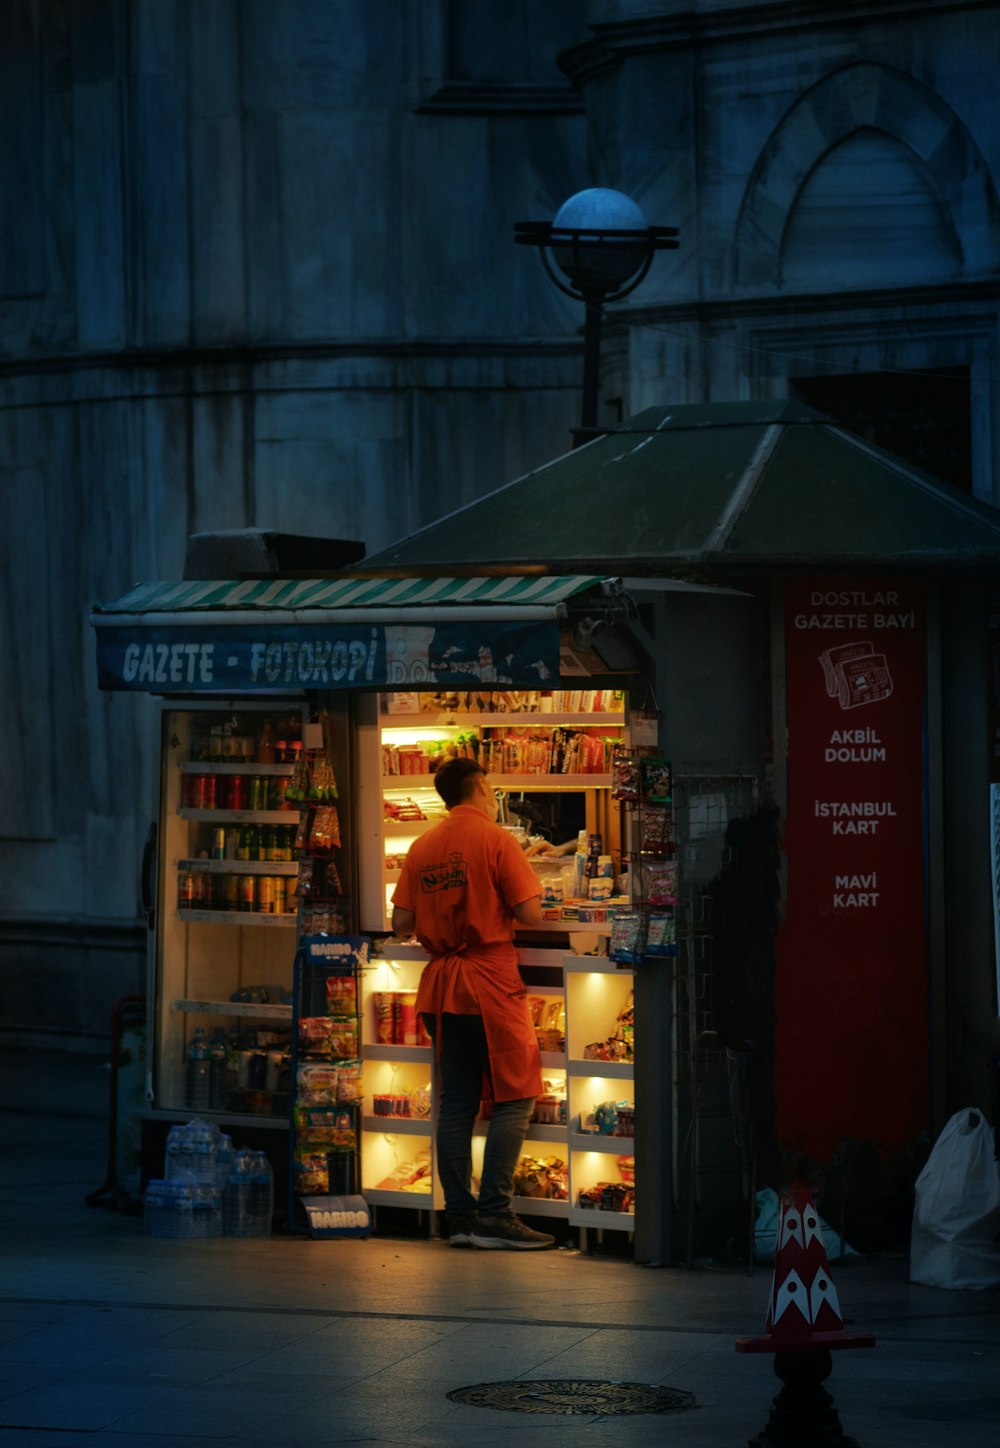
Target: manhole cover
point(574, 1395)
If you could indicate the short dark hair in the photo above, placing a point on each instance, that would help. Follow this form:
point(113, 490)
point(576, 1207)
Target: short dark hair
point(455, 780)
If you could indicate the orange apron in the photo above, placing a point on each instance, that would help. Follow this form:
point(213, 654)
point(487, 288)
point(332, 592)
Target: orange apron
point(488, 983)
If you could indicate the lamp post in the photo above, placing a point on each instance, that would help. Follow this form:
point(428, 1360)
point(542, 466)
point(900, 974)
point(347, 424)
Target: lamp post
point(602, 244)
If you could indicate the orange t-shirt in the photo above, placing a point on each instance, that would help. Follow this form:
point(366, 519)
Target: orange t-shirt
point(462, 880)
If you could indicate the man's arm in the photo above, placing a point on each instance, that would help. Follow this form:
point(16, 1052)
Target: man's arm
point(403, 922)
point(529, 912)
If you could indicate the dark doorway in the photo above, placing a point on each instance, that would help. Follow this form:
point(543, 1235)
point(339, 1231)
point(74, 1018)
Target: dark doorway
point(924, 417)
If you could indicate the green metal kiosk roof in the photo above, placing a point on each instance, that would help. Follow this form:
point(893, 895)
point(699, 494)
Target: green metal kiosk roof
point(744, 486)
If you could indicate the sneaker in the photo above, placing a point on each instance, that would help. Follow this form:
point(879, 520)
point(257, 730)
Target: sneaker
point(508, 1234)
point(459, 1232)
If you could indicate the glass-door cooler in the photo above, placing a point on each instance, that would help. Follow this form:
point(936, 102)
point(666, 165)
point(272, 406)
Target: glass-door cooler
point(222, 949)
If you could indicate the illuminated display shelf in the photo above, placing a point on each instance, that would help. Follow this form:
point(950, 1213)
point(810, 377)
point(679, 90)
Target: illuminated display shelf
point(214, 766)
point(238, 867)
point(236, 917)
point(460, 722)
point(250, 1010)
point(401, 783)
point(595, 990)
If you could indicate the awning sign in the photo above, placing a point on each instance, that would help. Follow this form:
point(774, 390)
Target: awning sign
point(223, 658)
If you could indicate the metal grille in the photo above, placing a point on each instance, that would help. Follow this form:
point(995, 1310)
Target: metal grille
point(704, 1094)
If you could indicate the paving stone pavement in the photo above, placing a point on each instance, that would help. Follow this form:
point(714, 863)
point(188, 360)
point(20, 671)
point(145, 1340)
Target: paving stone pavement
point(112, 1338)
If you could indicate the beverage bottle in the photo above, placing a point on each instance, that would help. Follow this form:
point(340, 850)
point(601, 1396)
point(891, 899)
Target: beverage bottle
point(223, 1161)
point(218, 1072)
point(253, 842)
point(266, 838)
point(261, 1196)
point(243, 843)
point(183, 1224)
point(196, 1083)
point(236, 1197)
point(265, 744)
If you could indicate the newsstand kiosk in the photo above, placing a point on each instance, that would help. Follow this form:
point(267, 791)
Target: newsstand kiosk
point(300, 726)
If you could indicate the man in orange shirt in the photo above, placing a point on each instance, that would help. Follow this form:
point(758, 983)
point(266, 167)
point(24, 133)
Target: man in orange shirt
point(462, 887)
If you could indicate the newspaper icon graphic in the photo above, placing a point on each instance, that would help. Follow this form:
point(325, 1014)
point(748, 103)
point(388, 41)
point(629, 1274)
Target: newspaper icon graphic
point(856, 675)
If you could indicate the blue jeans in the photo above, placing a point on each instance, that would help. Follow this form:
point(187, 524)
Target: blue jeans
point(464, 1061)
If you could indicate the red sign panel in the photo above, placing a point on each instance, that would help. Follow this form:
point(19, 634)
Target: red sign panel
point(850, 989)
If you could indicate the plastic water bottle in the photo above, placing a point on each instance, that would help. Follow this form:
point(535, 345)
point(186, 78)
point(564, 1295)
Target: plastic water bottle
point(223, 1160)
point(236, 1198)
point(157, 1209)
point(261, 1196)
point(204, 1137)
point(206, 1212)
point(196, 1083)
point(218, 1072)
point(183, 1226)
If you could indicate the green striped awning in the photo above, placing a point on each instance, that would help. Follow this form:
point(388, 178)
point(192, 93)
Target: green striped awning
point(337, 633)
point(280, 594)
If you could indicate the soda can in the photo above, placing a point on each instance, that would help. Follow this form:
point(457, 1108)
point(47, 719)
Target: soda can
point(257, 792)
point(231, 892)
point(278, 884)
point(265, 894)
point(197, 790)
point(199, 891)
point(218, 851)
point(246, 894)
point(236, 791)
point(211, 792)
point(185, 891)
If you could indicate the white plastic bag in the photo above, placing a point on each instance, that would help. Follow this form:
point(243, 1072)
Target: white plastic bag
point(955, 1241)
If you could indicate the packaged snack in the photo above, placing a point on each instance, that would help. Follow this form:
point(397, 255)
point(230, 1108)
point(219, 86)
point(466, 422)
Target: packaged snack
point(310, 1173)
point(658, 831)
point(350, 1086)
point(420, 1100)
point(655, 776)
point(661, 933)
point(325, 832)
point(627, 943)
point(343, 1040)
point(340, 999)
point(624, 776)
point(316, 1084)
point(314, 1035)
point(659, 879)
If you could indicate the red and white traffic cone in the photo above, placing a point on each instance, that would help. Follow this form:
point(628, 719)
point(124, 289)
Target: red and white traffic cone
point(804, 1323)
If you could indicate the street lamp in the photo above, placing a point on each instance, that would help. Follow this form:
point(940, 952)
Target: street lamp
point(601, 242)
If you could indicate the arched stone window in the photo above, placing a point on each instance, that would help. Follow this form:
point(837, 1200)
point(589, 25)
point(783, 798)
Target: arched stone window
point(869, 178)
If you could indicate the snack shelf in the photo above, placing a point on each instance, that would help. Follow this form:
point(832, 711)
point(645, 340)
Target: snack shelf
point(594, 1217)
point(527, 720)
point(192, 766)
point(537, 1131)
point(570, 927)
point(592, 1141)
point(594, 964)
point(383, 1197)
point(250, 1009)
point(398, 1125)
point(238, 867)
point(239, 816)
point(376, 1051)
point(400, 783)
point(393, 829)
point(539, 1206)
point(236, 917)
point(602, 1070)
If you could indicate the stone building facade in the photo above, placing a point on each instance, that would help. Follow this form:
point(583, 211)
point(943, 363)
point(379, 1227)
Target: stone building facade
point(258, 270)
